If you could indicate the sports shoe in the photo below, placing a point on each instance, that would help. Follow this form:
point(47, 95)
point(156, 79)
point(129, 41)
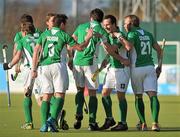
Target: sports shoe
point(61, 117)
point(27, 126)
point(77, 124)
point(144, 127)
point(120, 127)
point(65, 126)
point(93, 127)
point(141, 126)
point(44, 128)
point(108, 123)
point(52, 124)
point(155, 127)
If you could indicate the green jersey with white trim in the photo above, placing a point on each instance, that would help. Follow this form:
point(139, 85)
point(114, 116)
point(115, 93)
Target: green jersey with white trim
point(19, 36)
point(52, 42)
point(85, 57)
point(121, 50)
point(143, 41)
point(27, 44)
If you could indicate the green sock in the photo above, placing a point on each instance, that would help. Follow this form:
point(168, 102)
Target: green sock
point(28, 109)
point(56, 107)
point(155, 107)
point(123, 110)
point(139, 104)
point(107, 103)
point(79, 101)
point(51, 102)
point(44, 111)
point(92, 108)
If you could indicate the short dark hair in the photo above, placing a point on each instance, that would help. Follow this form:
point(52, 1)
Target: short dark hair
point(97, 14)
point(59, 18)
point(134, 20)
point(28, 27)
point(26, 18)
point(112, 19)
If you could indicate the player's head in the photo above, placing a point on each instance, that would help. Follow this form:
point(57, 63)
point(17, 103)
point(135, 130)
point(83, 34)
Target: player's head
point(26, 18)
point(97, 15)
point(109, 23)
point(27, 28)
point(131, 21)
point(60, 21)
point(49, 20)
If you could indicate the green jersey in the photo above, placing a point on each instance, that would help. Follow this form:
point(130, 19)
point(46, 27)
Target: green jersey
point(19, 36)
point(52, 42)
point(143, 42)
point(27, 44)
point(121, 50)
point(85, 57)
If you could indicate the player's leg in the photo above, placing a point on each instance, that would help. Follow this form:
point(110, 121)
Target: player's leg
point(93, 102)
point(27, 103)
point(106, 100)
point(137, 77)
point(122, 80)
point(78, 73)
point(150, 85)
point(60, 80)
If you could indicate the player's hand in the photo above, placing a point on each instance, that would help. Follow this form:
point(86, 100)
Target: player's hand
point(158, 71)
point(126, 62)
point(7, 66)
point(34, 74)
point(70, 64)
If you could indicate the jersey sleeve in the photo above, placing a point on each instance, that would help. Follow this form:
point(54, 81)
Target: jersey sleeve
point(19, 46)
point(69, 40)
point(131, 37)
point(17, 37)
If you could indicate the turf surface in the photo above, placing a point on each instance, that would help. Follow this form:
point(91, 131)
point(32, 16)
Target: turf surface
point(12, 118)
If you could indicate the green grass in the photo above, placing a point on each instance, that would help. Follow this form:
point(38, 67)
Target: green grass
point(12, 118)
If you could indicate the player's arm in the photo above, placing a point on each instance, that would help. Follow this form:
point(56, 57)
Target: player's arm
point(37, 50)
point(159, 55)
point(80, 47)
point(14, 61)
point(128, 45)
point(111, 51)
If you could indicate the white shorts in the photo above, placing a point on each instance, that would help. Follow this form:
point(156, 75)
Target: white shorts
point(54, 78)
point(37, 89)
point(143, 79)
point(83, 74)
point(117, 78)
point(27, 77)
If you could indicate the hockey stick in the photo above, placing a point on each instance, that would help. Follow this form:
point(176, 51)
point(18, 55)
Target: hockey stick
point(86, 107)
point(161, 57)
point(30, 87)
point(7, 75)
point(96, 73)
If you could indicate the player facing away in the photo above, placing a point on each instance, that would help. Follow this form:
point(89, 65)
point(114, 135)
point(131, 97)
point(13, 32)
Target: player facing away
point(25, 47)
point(53, 71)
point(84, 67)
point(117, 76)
point(143, 73)
point(24, 18)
